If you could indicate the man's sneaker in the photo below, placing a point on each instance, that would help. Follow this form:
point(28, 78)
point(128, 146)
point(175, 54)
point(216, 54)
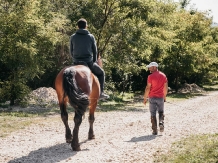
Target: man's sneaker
point(161, 127)
point(104, 96)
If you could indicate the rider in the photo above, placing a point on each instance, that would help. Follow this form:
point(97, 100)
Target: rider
point(83, 49)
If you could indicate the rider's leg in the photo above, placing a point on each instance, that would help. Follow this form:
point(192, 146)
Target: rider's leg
point(99, 72)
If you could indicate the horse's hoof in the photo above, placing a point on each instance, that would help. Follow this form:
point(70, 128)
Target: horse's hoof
point(76, 148)
point(91, 137)
point(68, 140)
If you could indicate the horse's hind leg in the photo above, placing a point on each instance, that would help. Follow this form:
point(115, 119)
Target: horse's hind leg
point(77, 120)
point(64, 117)
point(91, 121)
point(92, 108)
point(63, 104)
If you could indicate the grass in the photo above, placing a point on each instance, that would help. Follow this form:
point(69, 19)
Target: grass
point(134, 102)
point(122, 102)
point(11, 124)
point(212, 87)
point(194, 149)
point(11, 121)
point(182, 96)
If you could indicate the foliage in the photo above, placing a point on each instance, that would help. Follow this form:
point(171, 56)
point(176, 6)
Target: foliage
point(190, 58)
point(34, 43)
point(29, 32)
point(196, 148)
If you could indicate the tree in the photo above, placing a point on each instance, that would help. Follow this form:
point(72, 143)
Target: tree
point(184, 3)
point(28, 33)
point(189, 58)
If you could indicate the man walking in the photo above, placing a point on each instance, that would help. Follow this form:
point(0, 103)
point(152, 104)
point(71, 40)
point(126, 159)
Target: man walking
point(155, 93)
point(83, 49)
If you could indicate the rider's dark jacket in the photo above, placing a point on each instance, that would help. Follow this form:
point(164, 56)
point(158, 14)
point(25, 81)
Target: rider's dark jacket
point(83, 46)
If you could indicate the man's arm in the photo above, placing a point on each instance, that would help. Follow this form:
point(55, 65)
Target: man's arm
point(165, 90)
point(147, 90)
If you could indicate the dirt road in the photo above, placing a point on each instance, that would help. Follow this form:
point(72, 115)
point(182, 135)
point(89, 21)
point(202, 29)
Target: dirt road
point(121, 137)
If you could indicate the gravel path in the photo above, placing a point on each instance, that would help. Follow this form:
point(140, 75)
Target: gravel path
point(121, 137)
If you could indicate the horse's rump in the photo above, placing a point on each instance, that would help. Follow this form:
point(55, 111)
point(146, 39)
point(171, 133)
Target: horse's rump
point(77, 97)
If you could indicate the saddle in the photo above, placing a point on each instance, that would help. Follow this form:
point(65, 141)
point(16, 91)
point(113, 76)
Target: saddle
point(80, 63)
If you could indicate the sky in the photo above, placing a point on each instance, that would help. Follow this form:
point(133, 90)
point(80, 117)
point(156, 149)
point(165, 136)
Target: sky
point(205, 5)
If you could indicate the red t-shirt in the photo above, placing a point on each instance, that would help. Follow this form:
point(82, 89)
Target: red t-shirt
point(157, 80)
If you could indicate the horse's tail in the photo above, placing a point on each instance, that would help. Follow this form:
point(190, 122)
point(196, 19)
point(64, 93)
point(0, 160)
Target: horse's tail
point(77, 98)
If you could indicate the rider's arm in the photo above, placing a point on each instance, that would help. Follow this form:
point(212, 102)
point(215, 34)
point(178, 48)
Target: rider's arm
point(71, 46)
point(94, 50)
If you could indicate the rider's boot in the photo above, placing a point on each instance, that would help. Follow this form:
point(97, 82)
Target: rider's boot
point(154, 125)
point(161, 121)
point(102, 95)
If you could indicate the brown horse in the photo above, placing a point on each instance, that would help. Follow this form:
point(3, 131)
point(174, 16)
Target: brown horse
point(78, 86)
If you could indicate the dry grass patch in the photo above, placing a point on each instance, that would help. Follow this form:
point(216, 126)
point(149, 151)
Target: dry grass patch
point(13, 121)
point(194, 149)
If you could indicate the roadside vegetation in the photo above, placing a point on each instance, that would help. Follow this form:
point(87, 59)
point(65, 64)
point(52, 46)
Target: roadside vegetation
point(13, 121)
point(194, 149)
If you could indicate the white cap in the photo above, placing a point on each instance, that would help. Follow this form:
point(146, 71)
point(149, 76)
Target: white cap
point(152, 64)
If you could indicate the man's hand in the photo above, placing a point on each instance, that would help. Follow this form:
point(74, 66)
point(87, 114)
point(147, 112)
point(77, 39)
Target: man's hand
point(145, 101)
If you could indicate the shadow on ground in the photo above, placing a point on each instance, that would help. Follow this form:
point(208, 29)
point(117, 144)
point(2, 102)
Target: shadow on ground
point(144, 138)
point(55, 153)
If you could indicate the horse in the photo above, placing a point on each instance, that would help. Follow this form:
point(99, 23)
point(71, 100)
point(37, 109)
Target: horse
point(79, 87)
